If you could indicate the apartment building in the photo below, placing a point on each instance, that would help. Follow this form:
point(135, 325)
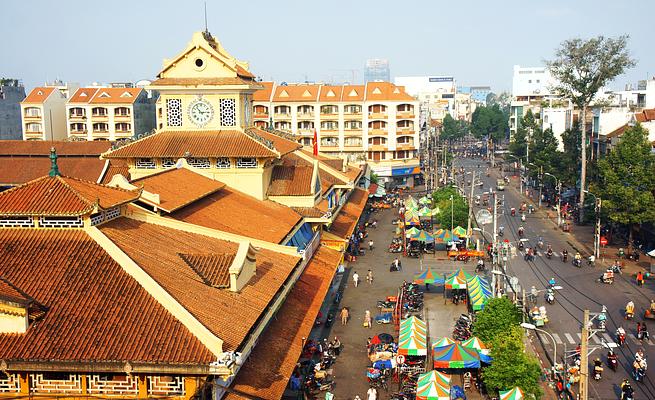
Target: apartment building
point(377, 122)
point(42, 114)
point(12, 92)
point(114, 113)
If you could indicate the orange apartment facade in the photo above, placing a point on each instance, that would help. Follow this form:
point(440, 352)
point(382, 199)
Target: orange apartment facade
point(114, 113)
point(377, 122)
point(42, 114)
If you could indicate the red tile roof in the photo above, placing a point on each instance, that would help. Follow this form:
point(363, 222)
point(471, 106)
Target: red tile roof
point(282, 144)
point(61, 196)
point(38, 95)
point(309, 212)
point(213, 269)
point(353, 93)
point(344, 224)
point(265, 93)
point(231, 211)
point(9, 292)
point(42, 148)
point(96, 312)
point(116, 167)
point(178, 187)
point(284, 337)
point(227, 314)
point(83, 95)
point(296, 92)
point(330, 93)
point(175, 144)
point(386, 91)
point(291, 181)
point(22, 169)
point(116, 95)
point(200, 82)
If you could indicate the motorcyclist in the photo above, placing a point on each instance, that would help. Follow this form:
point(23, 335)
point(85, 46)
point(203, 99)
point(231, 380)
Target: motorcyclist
point(501, 231)
point(549, 252)
point(513, 211)
point(565, 255)
point(620, 335)
point(534, 292)
point(521, 230)
point(520, 245)
point(598, 368)
point(630, 309)
point(577, 259)
point(540, 242)
point(627, 392)
point(591, 260)
point(551, 282)
point(523, 217)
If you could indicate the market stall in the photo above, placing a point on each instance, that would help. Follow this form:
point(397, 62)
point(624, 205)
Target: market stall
point(455, 356)
point(427, 277)
point(479, 292)
point(460, 232)
point(433, 385)
point(476, 344)
point(412, 339)
point(441, 342)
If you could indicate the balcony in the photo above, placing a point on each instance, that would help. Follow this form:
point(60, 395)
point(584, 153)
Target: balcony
point(405, 115)
point(282, 115)
point(34, 134)
point(260, 115)
point(377, 115)
point(329, 147)
point(305, 115)
point(82, 132)
point(404, 130)
point(353, 132)
point(377, 147)
point(32, 117)
point(378, 131)
point(405, 146)
point(77, 116)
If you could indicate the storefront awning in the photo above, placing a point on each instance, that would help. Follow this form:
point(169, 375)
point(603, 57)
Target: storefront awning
point(346, 221)
point(267, 370)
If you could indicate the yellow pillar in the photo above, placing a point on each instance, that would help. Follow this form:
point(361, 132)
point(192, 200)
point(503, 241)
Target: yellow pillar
point(190, 386)
point(143, 387)
point(83, 384)
point(24, 380)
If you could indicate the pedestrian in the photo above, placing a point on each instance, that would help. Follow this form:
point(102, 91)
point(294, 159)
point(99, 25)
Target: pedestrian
point(356, 279)
point(344, 316)
point(370, 245)
point(371, 394)
point(640, 279)
point(369, 277)
point(367, 319)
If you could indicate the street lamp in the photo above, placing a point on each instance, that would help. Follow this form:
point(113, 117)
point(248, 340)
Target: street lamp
point(597, 230)
point(452, 218)
point(532, 327)
point(559, 198)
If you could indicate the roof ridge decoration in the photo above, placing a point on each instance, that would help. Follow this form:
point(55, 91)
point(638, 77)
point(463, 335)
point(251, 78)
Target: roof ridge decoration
point(282, 134)
point(54, 169)
point(127, 141)
point(263, 141)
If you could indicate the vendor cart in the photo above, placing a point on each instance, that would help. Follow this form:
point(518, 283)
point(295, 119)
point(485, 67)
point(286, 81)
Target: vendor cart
point(538, 316)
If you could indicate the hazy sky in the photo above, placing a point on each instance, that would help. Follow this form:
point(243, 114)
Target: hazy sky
point(476, 41)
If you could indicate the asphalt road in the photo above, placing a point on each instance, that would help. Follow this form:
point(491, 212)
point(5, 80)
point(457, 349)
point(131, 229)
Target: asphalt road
point(580, 290)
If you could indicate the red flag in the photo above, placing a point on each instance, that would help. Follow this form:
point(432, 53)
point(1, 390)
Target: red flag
point(315, 143)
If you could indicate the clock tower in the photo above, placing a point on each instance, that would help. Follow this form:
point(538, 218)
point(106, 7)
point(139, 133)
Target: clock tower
point(204, 88)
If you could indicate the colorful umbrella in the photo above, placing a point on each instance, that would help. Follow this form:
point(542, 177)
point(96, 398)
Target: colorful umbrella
point(431, 390)
point(447, 236)
point(428, 276)
point(412, 220)
point(459, 231)
point(413, 344)
point(458, 279)
point(410, 203)
point(455, 356)
point(425, 200)
point(479, 292)
point(444, 341)
point(425, 212)
point(475, 343)
point(512, 394)
point(412, 231)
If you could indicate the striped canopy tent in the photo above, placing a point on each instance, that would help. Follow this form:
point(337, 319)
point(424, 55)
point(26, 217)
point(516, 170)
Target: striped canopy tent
point(436, 376)
point(433, 385)
point(413, 323)
point(412, 339)
point(435, 211)
point(428, 276)
point(411, 218)
point(447, 236)
point(425, 200)
point(423, 236)
point(425, 212)
point(461, 232)
point(455, 356)
point(412, 231)
point(479, 292)
point(410, 203)
point(475, 343)
point(444, 341)
point(458, 279)
point(512, 394)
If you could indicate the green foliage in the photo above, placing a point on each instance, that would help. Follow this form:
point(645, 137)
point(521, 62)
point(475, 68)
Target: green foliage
point(627, 179)
point(454, 129)
point(511, 366)
point(583, 67)
point(374, 178)
point(441, 199)
point(489, 121)
point(502, 100)
point(496, 319)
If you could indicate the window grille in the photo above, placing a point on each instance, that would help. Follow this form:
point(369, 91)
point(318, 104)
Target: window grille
point(246, 163)
point(202, 163)
point(17, 222)
point(174, 112)
point(145, 163)
point(61, 222)
point(10, 383)
point(165, 385)
point(167, 162)
point(42, 385)
point(103, 384)
point(228, 112)
point(223, 163)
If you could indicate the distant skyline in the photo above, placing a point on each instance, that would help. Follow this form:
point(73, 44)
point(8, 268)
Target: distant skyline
point(477, 42)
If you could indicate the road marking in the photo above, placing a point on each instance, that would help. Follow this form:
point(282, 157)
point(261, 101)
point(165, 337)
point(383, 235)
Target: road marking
point(569, 338)
point(607, 337)
point(594, 339)
point(579, 337)
point(557, 339)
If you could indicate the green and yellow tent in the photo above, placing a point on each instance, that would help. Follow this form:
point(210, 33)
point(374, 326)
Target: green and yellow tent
point(512, 394)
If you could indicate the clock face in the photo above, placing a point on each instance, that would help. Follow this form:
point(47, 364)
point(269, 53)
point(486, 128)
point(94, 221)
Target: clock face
point(200, 112)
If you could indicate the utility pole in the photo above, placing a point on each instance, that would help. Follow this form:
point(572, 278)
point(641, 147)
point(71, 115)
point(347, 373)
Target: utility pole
point(584, 357)
point(597, 241)
point(541, 175)
point(468, 226)
point(494, 236)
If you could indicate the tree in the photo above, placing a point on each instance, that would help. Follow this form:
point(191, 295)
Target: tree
point(582, 68)
point(497, 318)
point(453, 129)
point(512, 366)
point(627, 180)
point(489, 122)
point(441, 199)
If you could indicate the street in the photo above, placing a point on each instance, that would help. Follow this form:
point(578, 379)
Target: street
point(580, 290)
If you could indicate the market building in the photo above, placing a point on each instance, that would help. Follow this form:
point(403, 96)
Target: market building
point(209, 250)
point(376, 123)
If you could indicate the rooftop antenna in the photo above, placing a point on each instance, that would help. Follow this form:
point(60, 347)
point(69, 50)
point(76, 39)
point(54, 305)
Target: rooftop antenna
point(206, 29)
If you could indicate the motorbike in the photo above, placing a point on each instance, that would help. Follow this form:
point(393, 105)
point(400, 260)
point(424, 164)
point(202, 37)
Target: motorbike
point(612, 360)
point(549, 254)
point(598, 372)
point(520, 232)
point(629, 315)
point(480, 268)
point(607, 278)
point(522, 217)
point(577, 263)
point(501, 231)
point(638, 373)
point(513, 211)
point(620, 336)
point(565, 257)
point(550, 296)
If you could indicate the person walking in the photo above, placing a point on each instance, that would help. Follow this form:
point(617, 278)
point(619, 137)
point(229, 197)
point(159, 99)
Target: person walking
point(369, 277)
point(344, 316)
point(372, 394)
point(370, 245)
point(640, 279)
point(355, 279)
point(367, 319)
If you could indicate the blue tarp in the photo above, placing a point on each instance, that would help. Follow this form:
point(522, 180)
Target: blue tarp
point(302, 237)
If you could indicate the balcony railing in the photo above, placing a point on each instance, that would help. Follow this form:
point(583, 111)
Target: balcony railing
point(306, 114)
point(377, 115)
point(405, 114)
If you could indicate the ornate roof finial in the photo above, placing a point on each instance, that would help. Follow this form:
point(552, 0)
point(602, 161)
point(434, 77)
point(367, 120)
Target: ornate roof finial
point(54, 169)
